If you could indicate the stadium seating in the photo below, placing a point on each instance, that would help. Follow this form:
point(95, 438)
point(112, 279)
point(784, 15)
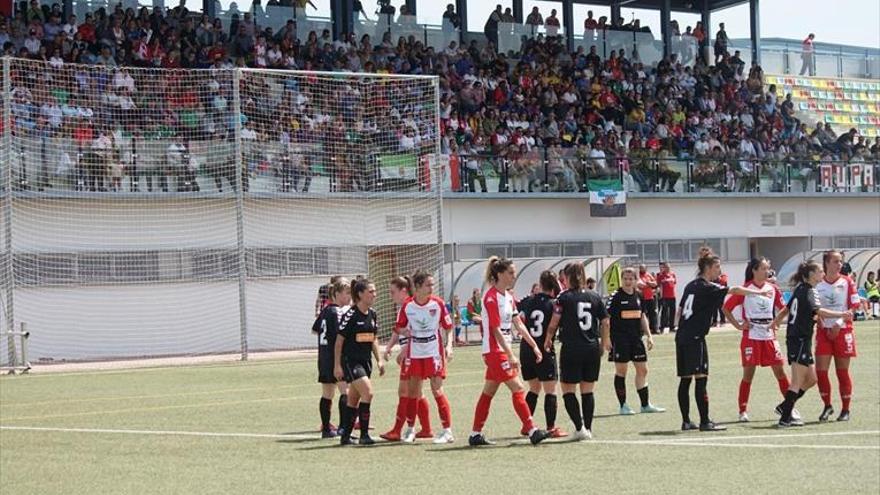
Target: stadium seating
point(844, 103)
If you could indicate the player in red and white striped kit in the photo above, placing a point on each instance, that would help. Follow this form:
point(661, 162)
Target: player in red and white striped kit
point(502, 365)
point(835, 337)
point(401, 290)
point(753, 316)
point(425, 320)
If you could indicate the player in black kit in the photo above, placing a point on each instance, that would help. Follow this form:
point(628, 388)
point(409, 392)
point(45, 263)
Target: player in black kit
point(800, 313)
point(629, 324)
point(536, 311)
point(701, 300)
point(355, 345)
point(581, 315)
point(326, 327)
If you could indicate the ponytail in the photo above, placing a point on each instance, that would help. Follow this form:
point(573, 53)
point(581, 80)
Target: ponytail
point(419, 278)
point(402, 283)
point(804, 270)
point(577, 278)
point(707, 261)
point(827, 255)
point(338, 286)
point(753, 265)
point(549, 282)
point(494, 267)
point(359, 286)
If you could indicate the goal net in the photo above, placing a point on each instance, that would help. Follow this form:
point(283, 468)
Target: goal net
point(151, 212)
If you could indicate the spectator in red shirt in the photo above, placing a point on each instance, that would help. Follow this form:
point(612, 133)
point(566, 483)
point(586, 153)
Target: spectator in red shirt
point(718, 318)
point(647, 283)
point(666, 280)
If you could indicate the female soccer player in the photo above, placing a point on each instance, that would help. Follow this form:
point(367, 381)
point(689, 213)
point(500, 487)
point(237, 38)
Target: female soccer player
point(700, 300)
point(354, 345)
point(753, 316)
point(628, 324)
point(401, 288)
point(835, 337)
point(537, 310)
point(327, 327)
point(584, 335)
point(801, 312)
point(425, 319)
point(502, 366)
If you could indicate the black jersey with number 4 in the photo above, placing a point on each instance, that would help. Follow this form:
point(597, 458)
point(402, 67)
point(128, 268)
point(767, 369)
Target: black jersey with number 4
point(701, 300)
point(327, 327)
point(359, 330)
point(581, 312)
point(626, 313)
point(536, 311)
point(802, 308)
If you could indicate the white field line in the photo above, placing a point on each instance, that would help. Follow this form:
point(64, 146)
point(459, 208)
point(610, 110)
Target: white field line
point(781, 435)
point(663, 443)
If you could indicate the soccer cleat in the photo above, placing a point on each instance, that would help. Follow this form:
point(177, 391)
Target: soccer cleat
point(844, 415)
point(345, 440)
point(625, 410)
point(445, 436)
point(556, 432)
point(425, 434)
point(409, 435)
point(782, 424)
point(710, 426)
point(826, 414)
point(651, 408)
point(744, 417)
point(479, 440)
point(390, 436)
point(538, 436)
point(795, 414)
point(688, 426)
point(796, 422)
point(583, 434)
point(328, 433)
point(366, 440)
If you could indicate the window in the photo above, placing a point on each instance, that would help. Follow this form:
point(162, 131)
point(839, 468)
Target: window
point(521, 251)
point(495, 250)
point(548, 250)
point(395, 223)
point(675, 251)
point(137, 266)
point(651, 251)
point(97, 267)
point(421, 223)
point(577, 249)
point(268, 262)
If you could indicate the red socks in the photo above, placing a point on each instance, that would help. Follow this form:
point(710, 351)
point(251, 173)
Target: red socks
point(745, 388)
point(482, 411)
point(845, 383)
point(412, 406)
point(400, 417)
point(824, 386)
point(424, 413)
point(522, 410)
point(783, 385)
point(444, 410)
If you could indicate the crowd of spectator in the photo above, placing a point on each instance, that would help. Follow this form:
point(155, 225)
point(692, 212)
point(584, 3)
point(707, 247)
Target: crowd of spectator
point(545, 112)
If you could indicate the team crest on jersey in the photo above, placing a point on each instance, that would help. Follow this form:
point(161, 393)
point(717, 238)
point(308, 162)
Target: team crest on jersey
point(763, 304)
point(432, 312)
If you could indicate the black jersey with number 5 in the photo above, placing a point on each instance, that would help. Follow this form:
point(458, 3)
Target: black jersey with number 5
point(701, 300)
point(802, 308)
point(536, 311)
point(580, 312)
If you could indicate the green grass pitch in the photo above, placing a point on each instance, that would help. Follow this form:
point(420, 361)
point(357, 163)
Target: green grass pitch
point(251, 430)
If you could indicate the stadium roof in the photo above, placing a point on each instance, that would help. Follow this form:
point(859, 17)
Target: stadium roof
point(694, 6)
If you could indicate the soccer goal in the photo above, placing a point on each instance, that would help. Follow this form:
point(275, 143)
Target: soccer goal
point(151, 212)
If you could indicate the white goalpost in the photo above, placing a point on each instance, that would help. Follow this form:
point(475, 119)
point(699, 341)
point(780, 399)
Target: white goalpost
point(151, 212)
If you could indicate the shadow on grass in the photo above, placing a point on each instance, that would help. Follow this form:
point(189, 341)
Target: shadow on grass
point(334, 444)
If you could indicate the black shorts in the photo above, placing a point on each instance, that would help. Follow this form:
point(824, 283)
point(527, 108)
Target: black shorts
point(800, 350)
point(692, 357)
point(579, 364)
point(355, 369)
point(325, 366)
point(626, 348)
point(544, 371)
point(874, 299)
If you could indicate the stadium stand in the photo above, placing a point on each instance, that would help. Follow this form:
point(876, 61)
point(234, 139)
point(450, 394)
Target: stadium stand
point(839, 102)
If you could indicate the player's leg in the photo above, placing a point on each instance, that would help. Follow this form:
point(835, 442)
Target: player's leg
point(350, 413)
point(517, 391)
point(533, 393)
point(823, 363)
point(481, 412)
point(570, 377)
point(400, 415)
point(414, 393)
point(781, 378)
point(341, 403)
point(326, 403)
point(745, 389)
point(363, 388)
point(620, 369)
point(642, 388)
point(551, 407)
point(588, 404)
point(444, 409)
point(701, 392)
point(844, 382)
point(803, 376)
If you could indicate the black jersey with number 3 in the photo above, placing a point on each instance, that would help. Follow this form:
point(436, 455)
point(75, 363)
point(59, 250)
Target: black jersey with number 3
point(701, 300)
point(359, 330)
point(802, 308)
point(581, 312)
point(536, 311)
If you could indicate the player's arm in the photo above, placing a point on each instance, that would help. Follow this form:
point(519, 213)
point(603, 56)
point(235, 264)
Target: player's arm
point(646, 331)
point(447, 326)
point(779, 318)
point(380, 362)
point(524, 333)
point(765, 291)
point(337, 357)
point(395, 338)
point(605, 332)
point(505, 346)
point(827, 313)
point(551, 331)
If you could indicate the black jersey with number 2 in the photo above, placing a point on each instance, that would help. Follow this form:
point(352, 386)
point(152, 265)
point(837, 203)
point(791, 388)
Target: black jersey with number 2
point(701, 300)
point(802, 308)
point(327, 327)
point(359, 330)
point(536, 311)
point(581, 312)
